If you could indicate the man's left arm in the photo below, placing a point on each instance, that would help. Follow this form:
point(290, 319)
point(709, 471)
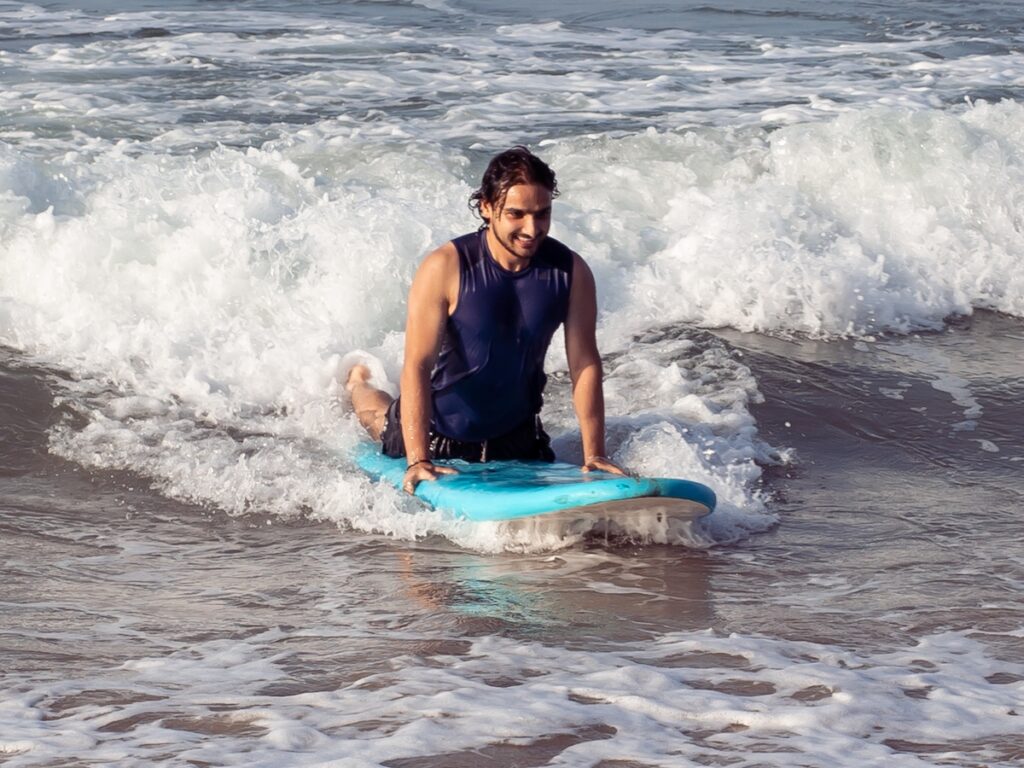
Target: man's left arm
point(585, 367)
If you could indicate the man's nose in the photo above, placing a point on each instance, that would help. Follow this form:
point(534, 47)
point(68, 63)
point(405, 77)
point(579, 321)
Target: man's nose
point(529, 226)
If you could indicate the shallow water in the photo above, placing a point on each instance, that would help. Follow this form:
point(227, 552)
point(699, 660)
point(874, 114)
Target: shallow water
point(879, 620)
point(805, 227)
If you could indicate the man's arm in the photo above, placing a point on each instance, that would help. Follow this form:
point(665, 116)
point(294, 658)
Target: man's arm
point(429, 301)
point(585, 367)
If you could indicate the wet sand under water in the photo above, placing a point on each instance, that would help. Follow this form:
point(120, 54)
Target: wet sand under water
point(136, 629)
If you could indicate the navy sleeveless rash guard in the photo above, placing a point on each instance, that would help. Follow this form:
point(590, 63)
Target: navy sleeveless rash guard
point(489, 376)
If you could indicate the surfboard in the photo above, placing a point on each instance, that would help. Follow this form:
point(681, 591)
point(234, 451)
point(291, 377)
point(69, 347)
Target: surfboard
point(525, 491)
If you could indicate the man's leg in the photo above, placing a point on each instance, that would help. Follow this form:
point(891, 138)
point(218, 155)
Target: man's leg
point(369, 403)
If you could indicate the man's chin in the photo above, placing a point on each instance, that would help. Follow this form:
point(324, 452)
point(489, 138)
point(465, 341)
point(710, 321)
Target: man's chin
point(525, 250)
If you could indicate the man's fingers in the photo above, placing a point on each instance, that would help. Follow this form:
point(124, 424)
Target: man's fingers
point(603, 465)
point(412, 479)
point(424, 472)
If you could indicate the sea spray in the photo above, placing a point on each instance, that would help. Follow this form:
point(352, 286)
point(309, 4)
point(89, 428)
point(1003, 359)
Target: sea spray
point(223, 284)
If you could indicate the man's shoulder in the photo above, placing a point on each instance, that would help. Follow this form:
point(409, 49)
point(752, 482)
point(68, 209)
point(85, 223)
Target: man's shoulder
point(441, 260)
point(443, 251)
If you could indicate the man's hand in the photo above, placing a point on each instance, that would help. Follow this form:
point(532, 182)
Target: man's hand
point(423, 470)
point(603, 464)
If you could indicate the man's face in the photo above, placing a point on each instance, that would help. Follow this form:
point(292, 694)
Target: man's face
point(523, 221)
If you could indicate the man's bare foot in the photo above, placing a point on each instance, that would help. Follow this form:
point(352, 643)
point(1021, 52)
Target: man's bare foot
point(359, 374)
point(369, 403)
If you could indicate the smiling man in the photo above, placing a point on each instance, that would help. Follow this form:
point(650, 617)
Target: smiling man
point(483, 309)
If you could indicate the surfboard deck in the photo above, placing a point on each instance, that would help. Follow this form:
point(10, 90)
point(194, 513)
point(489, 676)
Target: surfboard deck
point(526, 491)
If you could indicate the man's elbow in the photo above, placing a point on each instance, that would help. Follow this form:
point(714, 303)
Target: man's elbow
point(416, 371)
point(587, 367)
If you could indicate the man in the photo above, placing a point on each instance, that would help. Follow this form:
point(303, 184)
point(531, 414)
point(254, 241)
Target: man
point(482, 311)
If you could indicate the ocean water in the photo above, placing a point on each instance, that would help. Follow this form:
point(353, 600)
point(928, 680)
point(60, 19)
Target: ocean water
point(806, 225)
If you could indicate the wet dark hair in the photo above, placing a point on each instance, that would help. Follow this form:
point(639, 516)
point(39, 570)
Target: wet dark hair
point(513, 166)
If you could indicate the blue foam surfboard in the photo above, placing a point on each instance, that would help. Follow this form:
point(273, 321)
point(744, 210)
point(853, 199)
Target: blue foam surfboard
point(513, 490)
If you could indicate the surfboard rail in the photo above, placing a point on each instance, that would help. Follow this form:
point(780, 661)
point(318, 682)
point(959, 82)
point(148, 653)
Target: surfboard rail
point(514, 490)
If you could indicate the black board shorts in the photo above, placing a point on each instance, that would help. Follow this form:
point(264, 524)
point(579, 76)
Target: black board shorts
point(527, 442)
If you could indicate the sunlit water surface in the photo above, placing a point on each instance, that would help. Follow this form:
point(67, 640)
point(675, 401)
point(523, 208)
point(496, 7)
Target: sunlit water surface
point(805, 226)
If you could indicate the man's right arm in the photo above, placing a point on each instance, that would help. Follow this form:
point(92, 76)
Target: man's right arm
point(429, 301)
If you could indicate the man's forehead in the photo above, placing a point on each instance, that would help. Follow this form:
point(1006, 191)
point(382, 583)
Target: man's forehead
point(527, 197)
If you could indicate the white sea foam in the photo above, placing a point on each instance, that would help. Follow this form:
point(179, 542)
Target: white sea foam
point(875, 221)
point(199, 222)
point(182, 82)
point(214, 296)
point(685, 699)
point(215, 293)
point(200, 213)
